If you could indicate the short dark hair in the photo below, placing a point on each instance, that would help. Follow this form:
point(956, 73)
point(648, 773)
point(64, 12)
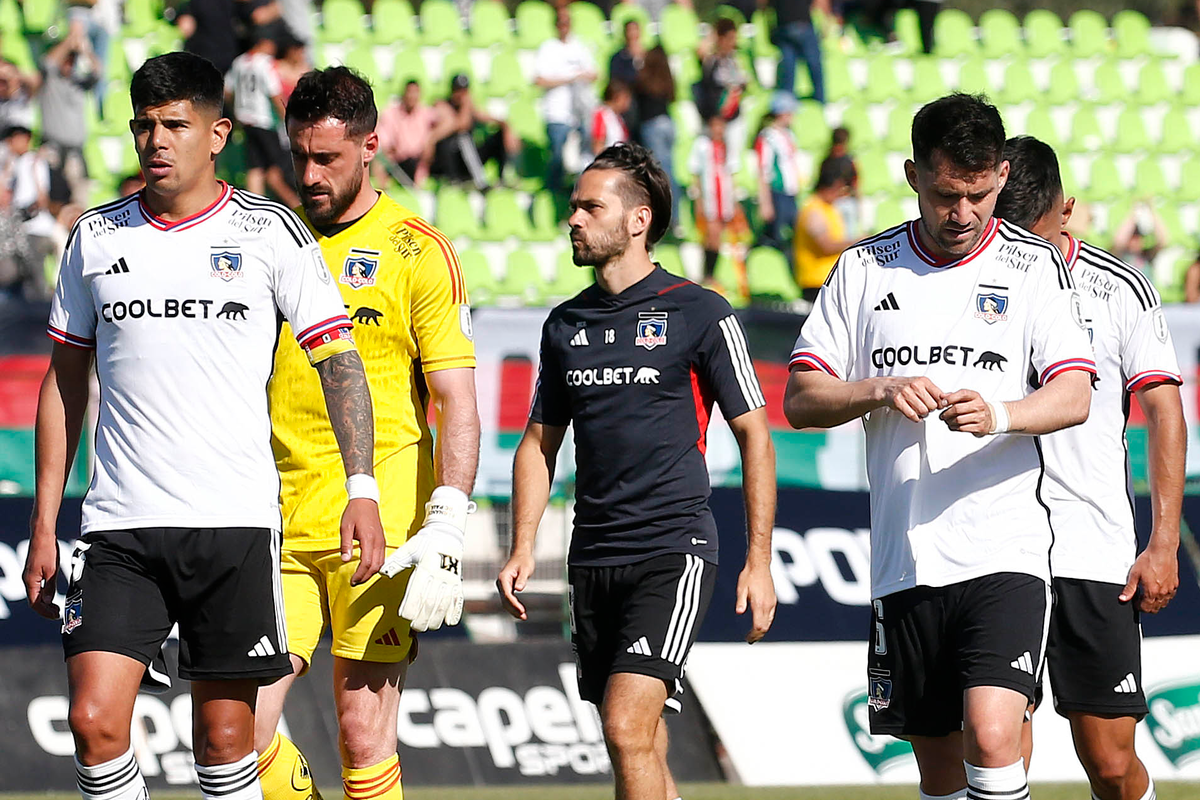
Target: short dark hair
point(337, 92)
point(964, 128)
point(725, 25)
point(1034, 182)
point(177, 76)
point(644, 183)
point(831, 171)
point(614, 88)
point(841, 135)
point(412, 82)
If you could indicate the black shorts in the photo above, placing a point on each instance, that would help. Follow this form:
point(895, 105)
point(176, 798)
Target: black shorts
point(128, 588)
point(1095, 650)
point(641, 618)
point(263, 148)
point(930, 644)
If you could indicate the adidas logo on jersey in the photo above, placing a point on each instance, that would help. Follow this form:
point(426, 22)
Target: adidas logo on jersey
point(888, 303)
point(639, 648)
point(262, 649)
point(118, 268)
point(1128, 685)
point(580, 339)
point(1024, 663)
point(391, 639)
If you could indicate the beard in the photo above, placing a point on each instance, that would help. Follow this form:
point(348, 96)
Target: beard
point(600, 248)
point(326, 210)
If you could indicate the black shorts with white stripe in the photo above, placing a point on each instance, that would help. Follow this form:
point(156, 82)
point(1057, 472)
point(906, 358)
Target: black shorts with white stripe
point(641, 618)
point(221, 585)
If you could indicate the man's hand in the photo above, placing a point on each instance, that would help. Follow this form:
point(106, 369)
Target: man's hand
point(915, 398)
point(513, 577)
point(435, 592)
point(1153, 580)
point(967, 411)
point(756, 591)
point(360, 522)
point(41, 575)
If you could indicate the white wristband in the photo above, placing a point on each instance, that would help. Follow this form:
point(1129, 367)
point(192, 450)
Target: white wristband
point(362, 486)
point(999, 417)
point(450, 506)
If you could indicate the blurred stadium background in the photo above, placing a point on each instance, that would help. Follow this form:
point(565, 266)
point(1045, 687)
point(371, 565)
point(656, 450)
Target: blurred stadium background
point(1116, 89)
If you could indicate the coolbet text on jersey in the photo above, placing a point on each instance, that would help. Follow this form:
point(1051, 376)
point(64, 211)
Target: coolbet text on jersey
point(401, 284)
point(987, 321)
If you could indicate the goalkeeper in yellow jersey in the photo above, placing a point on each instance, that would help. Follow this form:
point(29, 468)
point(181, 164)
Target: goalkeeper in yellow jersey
point(401, 284)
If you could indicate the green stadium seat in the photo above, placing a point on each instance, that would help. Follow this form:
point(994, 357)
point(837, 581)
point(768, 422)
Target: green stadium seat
point(1040, 125)
point(688, 73)
point(525, 117)
point(882, 84)
point(441, 23)
point(393, 23)
point(522, 279)
point(455, 62)
point(455, 216)
point(1177, 232)
point(1189, 92)
point(858, 122)
point(1086, 134)
point(1131, 132)
point(1131, 29)
point(1044, 34)
point(927, 81)
point(839, 85)
point(535, 23)
point(1000, 34)
point(569, 280)
point(503, 217)
point(898, 135)
point(722, 11)
point(16, 48)
point(1064, 84)
point(1019, 85)
point(763, 21)
point(40, 15)
point(1176, 133)
point(361, 59)
point(770, 276)
point(11, 21)
point(726, 276)
point(954, 34)
point(667, 256)
point(1110, 85)
point(1089, 34)
point(972, 77)
point(808, 123)
point(623, 12)
point(481, 282)
point(1189, 181)
point(507, 80)
point(545, 218)
point(142, 17)
point(588, 24)
point(907, 27)
point(1153, 86)
point(404, 196)
point(490, 24)
point(1149, 180)
point(873, 174)
point(409, 66)
point(678, 30)
point(1104, 182)
point(118, 111)
point(888, 214)
point(341, 20)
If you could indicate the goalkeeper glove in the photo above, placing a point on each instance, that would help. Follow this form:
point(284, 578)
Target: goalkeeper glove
point(435, 591)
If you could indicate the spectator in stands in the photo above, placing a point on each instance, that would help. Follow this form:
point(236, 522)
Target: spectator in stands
point(1140, 237)
point(723, 81)
point(654, 92)
point(778, 174)
point(820, 231)
point(207, 30)
point(291, 62)
point(97, 21)
point(455, 154)
point(626, 65)
point(608, 123)
point(405, 138)
point(848, 204)
point(565, 70)
point(17, 89)
point(252, 86)
point(69, 70)
point(713, 163)
point(797, 37)
point(26, 179)
point(17, 262)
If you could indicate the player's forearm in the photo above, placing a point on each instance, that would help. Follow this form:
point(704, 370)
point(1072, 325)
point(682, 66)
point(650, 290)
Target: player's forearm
point(62, 402)
point(1167, 450)
point(815, 399)
point(533, 474)
point(348, 401)
point(758, 490)
point(458, 443)
point(1061, 403)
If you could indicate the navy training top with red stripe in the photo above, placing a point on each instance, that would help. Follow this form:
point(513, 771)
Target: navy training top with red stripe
point(636, 375)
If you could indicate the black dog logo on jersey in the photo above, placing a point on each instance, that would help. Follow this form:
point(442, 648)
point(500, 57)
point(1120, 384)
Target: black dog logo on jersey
point(232, 310)
point(226, 264)
point(989, 360)
point(367, 316)
point(651, 329)
point(359, 268)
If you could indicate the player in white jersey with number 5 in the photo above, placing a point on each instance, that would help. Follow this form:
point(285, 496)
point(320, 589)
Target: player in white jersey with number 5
point(930, 332)
point(1101, 583)
point(176, 291)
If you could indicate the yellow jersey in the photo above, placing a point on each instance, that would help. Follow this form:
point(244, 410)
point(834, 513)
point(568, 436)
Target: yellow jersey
point(812, 267)
point(402, 286)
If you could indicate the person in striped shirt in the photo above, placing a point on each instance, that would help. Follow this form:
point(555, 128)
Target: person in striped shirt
point(608, 121)
point(778, 177)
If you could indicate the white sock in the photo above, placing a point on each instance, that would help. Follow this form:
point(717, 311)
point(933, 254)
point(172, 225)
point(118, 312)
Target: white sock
point(961, 794)
point(236, 781)
point(997, 783)
point(119, 779)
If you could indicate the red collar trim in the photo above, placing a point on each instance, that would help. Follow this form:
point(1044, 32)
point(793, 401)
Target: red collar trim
point(187, 222)
point(914, 240)
point(1073, 253)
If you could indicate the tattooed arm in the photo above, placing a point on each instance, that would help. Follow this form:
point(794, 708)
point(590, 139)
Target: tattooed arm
point(348, 400)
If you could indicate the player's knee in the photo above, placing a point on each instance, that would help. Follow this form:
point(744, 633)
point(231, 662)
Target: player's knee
point(997, 743)
point(1110, 766)
point(626, 734)
point(98, 735)
point(222, 743)
point(365, 741)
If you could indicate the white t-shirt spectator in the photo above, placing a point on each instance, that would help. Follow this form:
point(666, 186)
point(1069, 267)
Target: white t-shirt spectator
point(559, 60)
point(30, 178)
point(254, 81)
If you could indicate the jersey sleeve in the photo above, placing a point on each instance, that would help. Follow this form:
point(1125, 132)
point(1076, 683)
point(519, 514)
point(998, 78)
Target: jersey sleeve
point(73, 311)
point(551, 405)
point(441, 313)
point(826, 339)
point(1058, 335)
point(723, 361)
point(274, 85)
point(306, 294)
point(1147, 352)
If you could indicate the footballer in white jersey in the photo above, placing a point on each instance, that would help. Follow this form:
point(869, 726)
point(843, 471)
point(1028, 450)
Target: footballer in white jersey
point(176, 294)
point(1100, 582)
point(956, 338)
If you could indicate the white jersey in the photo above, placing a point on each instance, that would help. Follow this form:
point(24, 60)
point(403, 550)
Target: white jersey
point(948, 506)
point(1088, 486)
point(254, 80)
point(183, 318)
